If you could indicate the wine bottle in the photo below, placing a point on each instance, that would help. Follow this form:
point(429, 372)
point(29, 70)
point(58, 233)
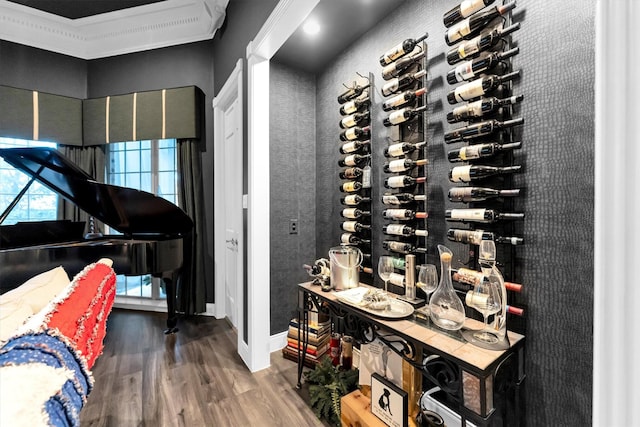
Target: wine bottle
point(463, 10)
point(354, 105)
point(400, 50)
point(472, 25)
point(404, 115)
point(402, 165)
point(478, 194)
point(474, 277)
point(479, 87)
point(402, 198)
point(485, 40)
point(353, 160)
point(469, 70)
point(472, 172)
point(402, 214)
point(354, 213)
point(476, 130)
point(401, 83)
point(401, 148)
point(350, 187)
point(398, 263)
point(353, 146)
point(403, 181)
point(404, 98)
point(396, 279)
point(354, 200)
point(401, 247)
point(480, 108)
point(472, 152)
point(353, 119)
point(396, 68)
point(474, 237)
point(354, 133)
point(403, 230)
point(352, 239)
point(350, 173)
point(351, 93)
point(354, 226)
point(479, 215)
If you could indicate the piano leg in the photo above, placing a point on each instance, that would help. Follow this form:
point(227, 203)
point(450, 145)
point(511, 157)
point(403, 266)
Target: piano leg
point(170, 287)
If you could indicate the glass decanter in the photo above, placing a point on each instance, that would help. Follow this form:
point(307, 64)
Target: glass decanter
point(446, 309)
point(487, 261)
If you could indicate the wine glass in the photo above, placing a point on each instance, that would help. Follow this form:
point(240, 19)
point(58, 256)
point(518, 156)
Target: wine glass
point(385, 268)
point(485, 298)
point(427, 281)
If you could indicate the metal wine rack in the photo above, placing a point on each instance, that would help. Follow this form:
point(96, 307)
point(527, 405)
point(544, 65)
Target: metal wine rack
point(411, 131)
point(360, 238)
point(505, 255)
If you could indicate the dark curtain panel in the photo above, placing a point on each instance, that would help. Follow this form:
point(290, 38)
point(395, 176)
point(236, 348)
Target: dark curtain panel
point(191, 297)
point(92, 161)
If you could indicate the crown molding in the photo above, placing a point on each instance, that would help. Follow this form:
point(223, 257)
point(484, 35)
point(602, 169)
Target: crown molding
point(152, 26)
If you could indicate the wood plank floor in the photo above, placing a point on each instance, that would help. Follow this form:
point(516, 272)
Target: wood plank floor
point(193, 378)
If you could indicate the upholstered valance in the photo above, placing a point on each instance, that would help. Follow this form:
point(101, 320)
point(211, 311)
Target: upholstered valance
point(158, 114)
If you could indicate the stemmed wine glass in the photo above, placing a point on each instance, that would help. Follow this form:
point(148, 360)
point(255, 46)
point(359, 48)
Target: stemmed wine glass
point(427, 281)
point(385, 268)
point(485, 298)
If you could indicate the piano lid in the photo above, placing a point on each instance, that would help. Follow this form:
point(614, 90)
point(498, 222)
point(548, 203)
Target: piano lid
point(129, 211)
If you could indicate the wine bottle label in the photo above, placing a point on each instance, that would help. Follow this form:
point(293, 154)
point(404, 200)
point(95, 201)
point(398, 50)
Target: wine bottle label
point(346, 237)
point(458, 31)
point(395, 229)
point(468, 214)
point(464, 71)
point(390, 200)
point(366, 177)
point(348, 122)
point(350, 160)
point(395, 150)
point(422, 233)
point(461, 174)
point(398, 263)
point(470, 152)
point(349, 226)
point(397, 117)
point(393, 53)
point(396, 101)
point(351, 200)
point(390, 87)
point(397, 279)
point(349, 147)
point(475, 300)
point(397, 166)
point(350, 213)
point(468, 236)
point(399, 246)
point(349, 107)
point(349, 186)
point(350, 134)
point(469, 91)
point(467, 7)
point(396, 181)
point(397, 213)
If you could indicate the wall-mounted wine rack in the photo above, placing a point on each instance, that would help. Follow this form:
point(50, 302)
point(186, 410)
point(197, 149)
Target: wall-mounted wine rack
point(484, 131)
point(404, 188)
point(355, 175)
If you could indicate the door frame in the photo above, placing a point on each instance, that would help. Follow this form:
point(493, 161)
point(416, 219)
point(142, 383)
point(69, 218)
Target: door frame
point(283, 21)
point(232, 90)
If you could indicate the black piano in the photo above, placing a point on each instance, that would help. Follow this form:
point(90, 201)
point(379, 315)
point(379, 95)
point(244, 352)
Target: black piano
point(156, 234)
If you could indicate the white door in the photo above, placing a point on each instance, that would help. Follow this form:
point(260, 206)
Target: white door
point(233, 208)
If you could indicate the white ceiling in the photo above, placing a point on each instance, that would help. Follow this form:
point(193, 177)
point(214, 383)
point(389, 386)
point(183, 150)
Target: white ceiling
point(132, 29)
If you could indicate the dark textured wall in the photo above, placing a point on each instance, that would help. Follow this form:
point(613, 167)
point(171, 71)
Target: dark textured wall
point(292, 164)
point(30, 68)
point(556, 266)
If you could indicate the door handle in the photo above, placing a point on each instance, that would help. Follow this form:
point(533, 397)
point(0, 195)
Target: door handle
point(233, 242)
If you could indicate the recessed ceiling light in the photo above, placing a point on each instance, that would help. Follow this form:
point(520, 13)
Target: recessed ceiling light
point(311, 27)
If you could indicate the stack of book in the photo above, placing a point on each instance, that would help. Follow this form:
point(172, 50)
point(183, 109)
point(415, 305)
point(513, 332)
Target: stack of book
point(319, 332)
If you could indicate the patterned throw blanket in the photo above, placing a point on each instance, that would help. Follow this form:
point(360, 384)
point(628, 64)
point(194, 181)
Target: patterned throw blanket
point(64, 339)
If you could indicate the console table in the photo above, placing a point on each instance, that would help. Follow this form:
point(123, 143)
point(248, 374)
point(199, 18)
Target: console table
point(482, 386)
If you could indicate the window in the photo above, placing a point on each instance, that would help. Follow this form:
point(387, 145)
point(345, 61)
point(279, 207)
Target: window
point(149, 166)
point(38, 203)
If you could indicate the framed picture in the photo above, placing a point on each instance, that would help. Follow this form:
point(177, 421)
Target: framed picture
point(389, 402)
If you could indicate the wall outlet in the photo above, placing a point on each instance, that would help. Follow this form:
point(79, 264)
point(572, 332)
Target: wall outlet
point(293, 226)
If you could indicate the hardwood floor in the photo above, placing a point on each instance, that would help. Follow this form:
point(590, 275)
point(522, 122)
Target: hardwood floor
point(193, 378)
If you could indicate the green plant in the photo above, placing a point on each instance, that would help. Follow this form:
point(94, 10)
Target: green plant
point(327, 384)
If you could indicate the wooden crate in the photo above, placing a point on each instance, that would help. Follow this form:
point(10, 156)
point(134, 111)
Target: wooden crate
point(355, 411)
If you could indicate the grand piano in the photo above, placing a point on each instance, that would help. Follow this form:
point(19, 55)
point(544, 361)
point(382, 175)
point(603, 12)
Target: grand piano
point(156, 234)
